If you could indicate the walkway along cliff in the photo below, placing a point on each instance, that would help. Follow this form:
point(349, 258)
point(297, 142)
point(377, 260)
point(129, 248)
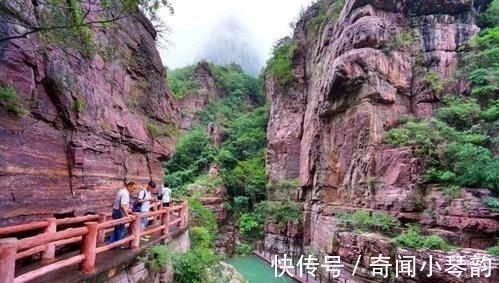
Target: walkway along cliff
point(96, 264)
point(356, 68)
point(79, 118)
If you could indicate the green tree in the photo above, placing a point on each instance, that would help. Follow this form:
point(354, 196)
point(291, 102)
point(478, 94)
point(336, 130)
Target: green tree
point(490, 17)
point(82, 13)
point(70, 22)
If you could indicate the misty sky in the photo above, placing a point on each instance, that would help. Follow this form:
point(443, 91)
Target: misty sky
point(194, 22)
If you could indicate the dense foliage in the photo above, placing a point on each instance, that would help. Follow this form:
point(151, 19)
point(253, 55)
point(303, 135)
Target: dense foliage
point(241, 112)
point(281, 63)
point(180, 81)
point(324, 11)
point(242, 115)
point(197, 265)
point(201, 216)
point(413, 238)
point(251, 224)
point(490, 18)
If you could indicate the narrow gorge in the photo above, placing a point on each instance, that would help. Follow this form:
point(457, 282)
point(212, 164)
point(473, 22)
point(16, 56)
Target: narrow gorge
point(372, 133)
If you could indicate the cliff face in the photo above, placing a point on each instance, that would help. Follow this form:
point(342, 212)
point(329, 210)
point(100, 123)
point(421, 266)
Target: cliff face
point(352, 81)
point(196, 100)
point(89, 123)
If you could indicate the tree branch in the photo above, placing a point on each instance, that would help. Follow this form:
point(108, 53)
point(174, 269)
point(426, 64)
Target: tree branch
point(42, 29)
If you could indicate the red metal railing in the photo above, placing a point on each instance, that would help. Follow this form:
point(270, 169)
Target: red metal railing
point(91, 238)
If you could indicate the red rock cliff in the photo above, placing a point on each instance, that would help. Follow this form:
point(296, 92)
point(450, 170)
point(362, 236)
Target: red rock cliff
point(90, 124)
point(352, 80)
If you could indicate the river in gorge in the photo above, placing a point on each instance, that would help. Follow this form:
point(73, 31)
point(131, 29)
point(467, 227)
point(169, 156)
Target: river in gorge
point(255, 270)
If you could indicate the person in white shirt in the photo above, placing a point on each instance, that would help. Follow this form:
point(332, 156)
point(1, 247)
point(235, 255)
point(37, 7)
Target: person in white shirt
point(145, 198)
point(166, 195)
point(121, 208)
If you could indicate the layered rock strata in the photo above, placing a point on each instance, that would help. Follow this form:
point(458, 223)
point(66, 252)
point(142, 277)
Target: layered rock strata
point(87, 123)
point(352, 81)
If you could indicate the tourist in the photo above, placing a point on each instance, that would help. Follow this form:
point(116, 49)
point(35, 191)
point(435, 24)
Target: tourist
point(121, 209)
point(166, 195)
point(145, 198)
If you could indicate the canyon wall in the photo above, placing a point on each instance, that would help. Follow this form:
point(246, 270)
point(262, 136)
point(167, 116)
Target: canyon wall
point(352, 80)
point(83, 124)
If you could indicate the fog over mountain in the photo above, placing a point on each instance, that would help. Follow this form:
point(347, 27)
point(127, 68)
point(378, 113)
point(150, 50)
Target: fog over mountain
point(195, 24)
point(232, 42)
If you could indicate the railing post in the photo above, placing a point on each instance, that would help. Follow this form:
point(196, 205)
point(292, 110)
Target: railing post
point(165, 220)
point(135, 231)
point(156, 219)
point(101, 234)
point(182, 214)
point(88, 248)
point(8, 250)
point(48, 255)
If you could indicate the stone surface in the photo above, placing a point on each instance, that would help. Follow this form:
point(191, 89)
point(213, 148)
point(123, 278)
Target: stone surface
point(64, 158)
point(196, 100)
point(352, 82)
point(138, 272)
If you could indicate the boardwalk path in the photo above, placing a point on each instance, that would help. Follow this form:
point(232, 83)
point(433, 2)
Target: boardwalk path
point(106, 262)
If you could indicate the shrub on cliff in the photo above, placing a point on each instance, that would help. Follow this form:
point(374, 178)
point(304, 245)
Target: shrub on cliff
point(200, 237)
point(413, 238)
point(194, 266)
point(11, 99)
point(194, 152)
point(197, 265)
point(363, 220)
point(251, 226)
point(281, 64)
point(456, 146)
point(243, 249)
point(181, 82)
point(232, 81)
point(157, 257)
point(494, 250)
point(201, 216)
point(492, 203)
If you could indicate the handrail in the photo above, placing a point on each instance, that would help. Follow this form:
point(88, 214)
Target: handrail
point(79, 219)
point(91, 237)
point(22, 228)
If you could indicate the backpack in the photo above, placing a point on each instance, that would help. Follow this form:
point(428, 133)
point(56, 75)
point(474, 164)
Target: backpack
point(136, 205)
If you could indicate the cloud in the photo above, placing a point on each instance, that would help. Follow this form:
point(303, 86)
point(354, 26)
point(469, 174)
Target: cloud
point(195, 22)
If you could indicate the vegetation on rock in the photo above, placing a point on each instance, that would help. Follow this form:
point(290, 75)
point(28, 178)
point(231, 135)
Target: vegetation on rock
point(242, 115)
point(281, 63)
point(69, 23)
point(181, 82)
point(458, 144)
point(413, 238)
point(494, 250)
point(363, 220)
point(12, 101)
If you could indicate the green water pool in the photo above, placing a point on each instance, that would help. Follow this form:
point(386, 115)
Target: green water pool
point(255, 270)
